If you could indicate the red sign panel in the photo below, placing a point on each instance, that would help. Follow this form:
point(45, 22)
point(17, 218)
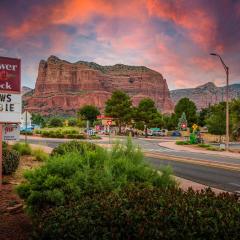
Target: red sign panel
point(10, 75)
point(103, 117)
point(109, 122)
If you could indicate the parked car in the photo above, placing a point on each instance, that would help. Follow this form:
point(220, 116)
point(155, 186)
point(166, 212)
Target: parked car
point(164, 132)
point(26, 129)
point(156, 133)
point(176, 134)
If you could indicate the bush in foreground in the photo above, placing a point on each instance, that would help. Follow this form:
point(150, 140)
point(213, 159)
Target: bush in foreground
point(22, 148)
point(74, 146)
point(4, 145)
point(77, 169)
point(10, 160)
point(40, 155)
point(144, 212)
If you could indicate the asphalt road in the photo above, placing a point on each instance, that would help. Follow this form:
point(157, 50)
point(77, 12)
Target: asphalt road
point(213, 177)
point(210, 176)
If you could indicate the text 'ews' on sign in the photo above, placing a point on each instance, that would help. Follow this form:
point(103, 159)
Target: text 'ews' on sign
point(10, 108)
point(10, 75)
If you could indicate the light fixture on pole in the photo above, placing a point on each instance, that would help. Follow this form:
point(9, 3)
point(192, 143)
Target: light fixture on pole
point(226, 68)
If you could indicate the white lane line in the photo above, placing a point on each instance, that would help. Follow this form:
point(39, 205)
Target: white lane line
point(159, 150)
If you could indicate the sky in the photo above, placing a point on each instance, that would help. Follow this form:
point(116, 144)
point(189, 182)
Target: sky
point(173, 37)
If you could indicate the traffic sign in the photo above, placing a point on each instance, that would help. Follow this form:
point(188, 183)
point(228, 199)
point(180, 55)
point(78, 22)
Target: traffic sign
point(194, 126)
point(109, 122)
point(184, 125)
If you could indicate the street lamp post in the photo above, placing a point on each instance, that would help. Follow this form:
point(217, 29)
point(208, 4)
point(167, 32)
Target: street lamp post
point(226, 68)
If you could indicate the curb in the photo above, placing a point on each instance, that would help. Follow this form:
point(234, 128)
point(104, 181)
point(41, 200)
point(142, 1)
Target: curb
point(226, 166)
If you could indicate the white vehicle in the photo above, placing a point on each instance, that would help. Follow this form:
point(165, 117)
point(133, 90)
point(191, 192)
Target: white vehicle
point(164, 132)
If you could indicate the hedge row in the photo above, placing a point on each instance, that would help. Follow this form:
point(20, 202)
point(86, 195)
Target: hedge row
point(142, 212)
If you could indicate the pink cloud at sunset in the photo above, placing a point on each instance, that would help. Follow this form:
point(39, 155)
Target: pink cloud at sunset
point(173, 37)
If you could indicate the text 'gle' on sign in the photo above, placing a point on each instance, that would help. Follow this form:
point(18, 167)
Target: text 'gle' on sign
point(10, 107)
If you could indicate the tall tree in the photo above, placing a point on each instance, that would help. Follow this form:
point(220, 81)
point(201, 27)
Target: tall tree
point(216, 122)
point(38, 119)
point(203, 115)
point(170, 121)
point(190, 109)
point(235, 118)
point(89, 112)
point(147, 113)
point(119, 106)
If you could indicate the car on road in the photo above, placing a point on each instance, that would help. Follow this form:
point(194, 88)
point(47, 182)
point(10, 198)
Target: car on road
point(176, 134)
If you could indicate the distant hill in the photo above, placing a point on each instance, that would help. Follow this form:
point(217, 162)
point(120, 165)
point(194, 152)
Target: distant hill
point(26, 90)
point(205, 95)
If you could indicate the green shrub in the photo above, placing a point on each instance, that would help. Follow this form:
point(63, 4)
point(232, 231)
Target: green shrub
point(77, 169)
point(4, 145)
point(204, 145)
point(52, 134)
point(144, 212)
point(37, 131)
point(40, 155)
point(212, 148)
point(75, 136)
point(10, 161)
point(45, 133)
point(95, 137)
point(55, 122)
point(22, 148)
point(73, 146)
point(182, 142)
point(56, 134)
point(72, 122)
point(70, 131)
point(26, 133)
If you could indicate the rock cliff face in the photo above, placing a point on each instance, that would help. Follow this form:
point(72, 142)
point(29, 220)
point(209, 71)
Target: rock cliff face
point(205, 95)
point(63, 87)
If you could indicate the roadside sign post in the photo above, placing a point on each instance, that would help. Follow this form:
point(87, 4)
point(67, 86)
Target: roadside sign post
point(109, 123)
point(10, 97)
point(25, 127)
point(1, 157)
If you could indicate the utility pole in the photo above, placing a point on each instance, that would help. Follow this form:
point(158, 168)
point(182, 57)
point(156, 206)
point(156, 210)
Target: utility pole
point(226, 68)
point(26, 127)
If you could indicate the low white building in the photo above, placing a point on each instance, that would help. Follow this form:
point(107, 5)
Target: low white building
point(26, 119)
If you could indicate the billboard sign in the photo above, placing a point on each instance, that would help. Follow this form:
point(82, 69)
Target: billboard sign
point(10, 75)
point(10, 108)
point(11, 132)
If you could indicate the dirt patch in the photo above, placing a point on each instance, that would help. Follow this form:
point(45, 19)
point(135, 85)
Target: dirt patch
point(14, 222)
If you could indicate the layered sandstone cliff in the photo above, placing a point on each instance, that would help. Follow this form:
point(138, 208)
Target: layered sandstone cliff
point(63, 87)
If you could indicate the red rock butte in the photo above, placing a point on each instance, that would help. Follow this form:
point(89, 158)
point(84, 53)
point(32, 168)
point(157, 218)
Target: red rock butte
point(63, 87)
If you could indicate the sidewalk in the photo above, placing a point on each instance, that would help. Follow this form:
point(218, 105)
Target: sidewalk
point(185, 184)
point(172, 145)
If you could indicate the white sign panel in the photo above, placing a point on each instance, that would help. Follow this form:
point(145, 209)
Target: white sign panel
point(10, 107)
point(11, 132)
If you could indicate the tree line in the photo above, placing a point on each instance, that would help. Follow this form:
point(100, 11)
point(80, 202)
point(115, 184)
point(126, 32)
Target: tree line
point(146, 115)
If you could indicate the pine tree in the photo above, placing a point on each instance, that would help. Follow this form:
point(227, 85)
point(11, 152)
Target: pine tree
point(182, 123)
